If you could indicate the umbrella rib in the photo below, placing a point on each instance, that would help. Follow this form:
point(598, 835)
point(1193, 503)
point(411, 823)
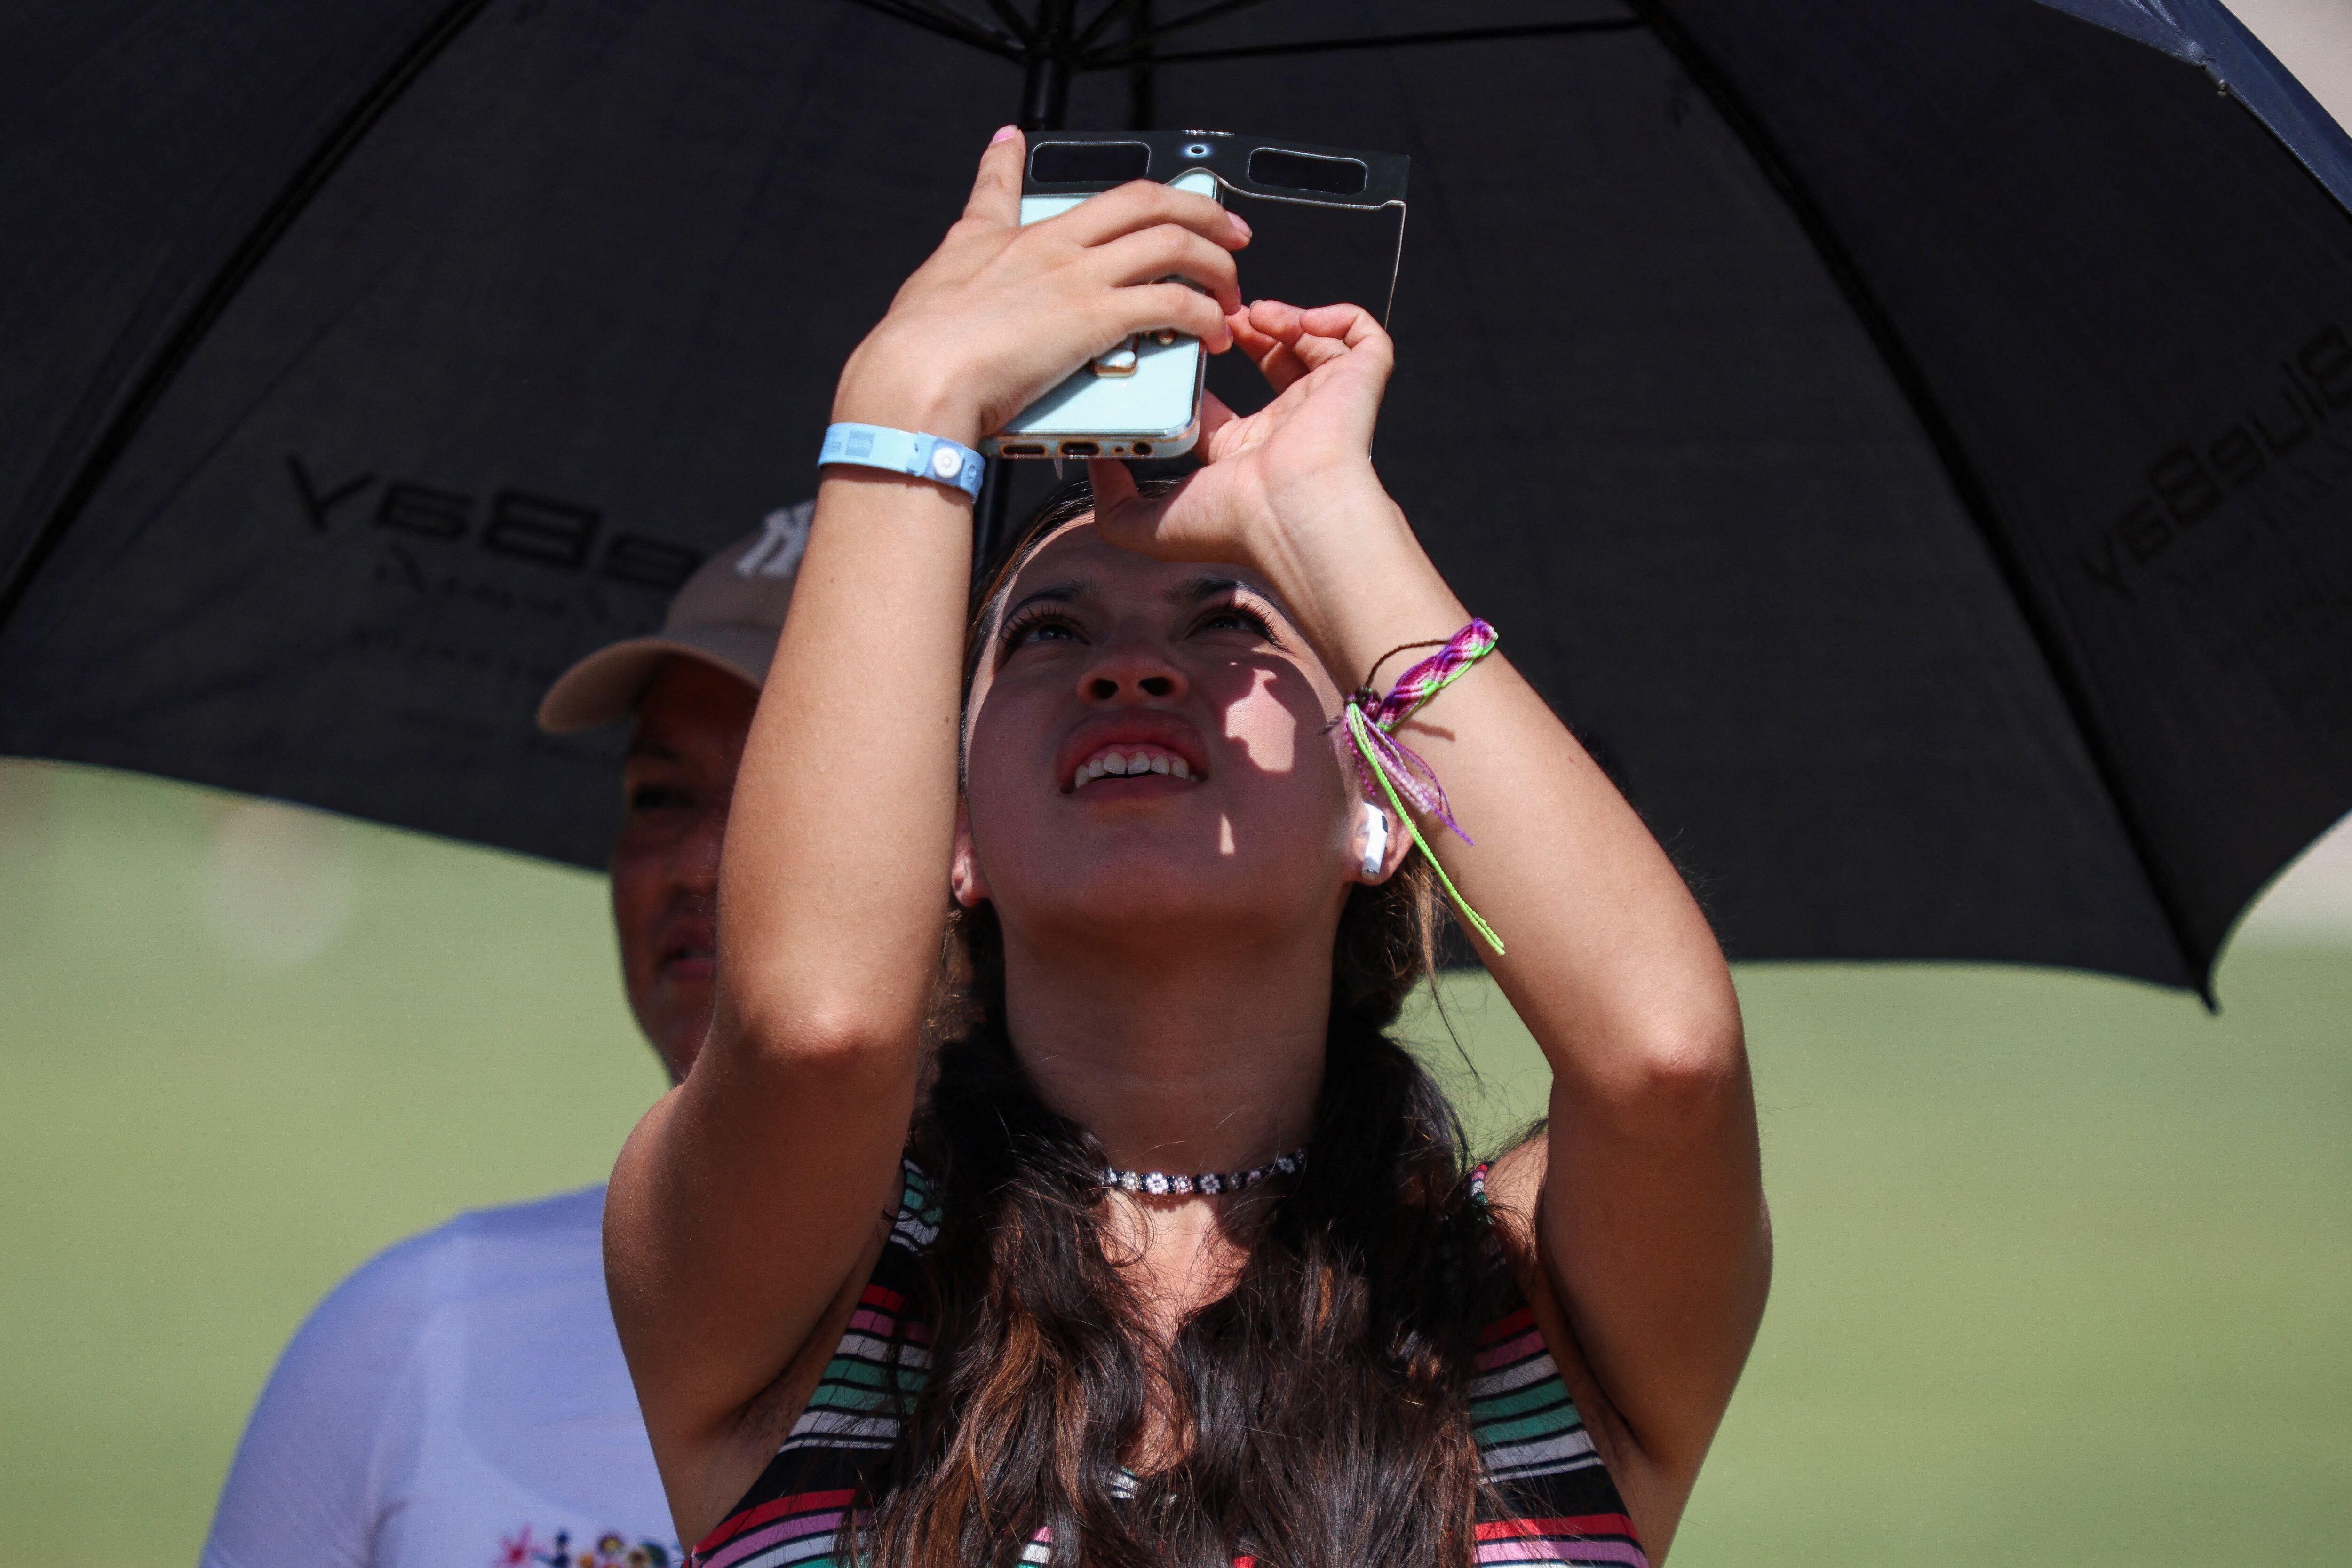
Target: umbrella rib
point(1014, 22)
point(226, 284)
point(933, 18)
point(1120, 57)
point(1191, 20)
point(1110, 14)
point(1974, 495)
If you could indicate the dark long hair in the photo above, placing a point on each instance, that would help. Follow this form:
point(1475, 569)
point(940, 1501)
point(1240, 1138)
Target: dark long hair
point(1319, 1410)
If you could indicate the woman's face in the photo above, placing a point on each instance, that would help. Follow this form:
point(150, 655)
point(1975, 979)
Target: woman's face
point(1146, 750)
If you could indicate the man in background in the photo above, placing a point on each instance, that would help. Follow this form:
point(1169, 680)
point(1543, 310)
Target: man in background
point(461, 1402)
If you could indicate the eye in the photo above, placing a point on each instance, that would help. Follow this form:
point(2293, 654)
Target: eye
point(1236, 616)
point(644, 797)
point(1040, 623)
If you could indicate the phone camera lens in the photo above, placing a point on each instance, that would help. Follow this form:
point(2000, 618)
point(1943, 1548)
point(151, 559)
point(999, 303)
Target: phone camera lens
point(1196, 150)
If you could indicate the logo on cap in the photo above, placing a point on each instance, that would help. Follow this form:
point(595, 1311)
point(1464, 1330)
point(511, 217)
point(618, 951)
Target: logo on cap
point(783, 536)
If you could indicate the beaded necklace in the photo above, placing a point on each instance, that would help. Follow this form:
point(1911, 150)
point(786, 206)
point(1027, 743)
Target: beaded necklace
point(1160, 1184)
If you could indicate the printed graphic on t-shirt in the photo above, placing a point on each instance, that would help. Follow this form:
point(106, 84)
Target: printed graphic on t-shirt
point(527, 1549)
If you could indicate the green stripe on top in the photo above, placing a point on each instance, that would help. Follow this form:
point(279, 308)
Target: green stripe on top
point(916, 1198)
point(1534, 1397)
point(1493, 1434)
point(869, 1374)
point(851, 1401)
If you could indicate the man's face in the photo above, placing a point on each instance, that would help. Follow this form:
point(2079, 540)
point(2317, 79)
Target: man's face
point(678, 784)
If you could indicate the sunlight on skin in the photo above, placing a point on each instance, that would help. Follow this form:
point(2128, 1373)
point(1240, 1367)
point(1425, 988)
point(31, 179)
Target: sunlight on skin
point(1254, 708)
point(1270, 744)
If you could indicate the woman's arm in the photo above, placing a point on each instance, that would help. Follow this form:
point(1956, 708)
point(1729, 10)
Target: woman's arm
point(1650, 1221)
point(747, 1196)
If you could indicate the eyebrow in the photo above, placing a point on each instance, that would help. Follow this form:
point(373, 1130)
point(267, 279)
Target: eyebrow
point(1052, 594)
point(1202, 587)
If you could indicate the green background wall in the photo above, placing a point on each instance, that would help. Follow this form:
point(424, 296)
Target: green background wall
point(2065, 1265)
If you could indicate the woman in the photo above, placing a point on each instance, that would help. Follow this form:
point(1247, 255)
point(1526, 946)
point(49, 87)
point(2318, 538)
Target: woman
point(1179, 933)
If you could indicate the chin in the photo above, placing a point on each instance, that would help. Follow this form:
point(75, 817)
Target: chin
point(1142, 894)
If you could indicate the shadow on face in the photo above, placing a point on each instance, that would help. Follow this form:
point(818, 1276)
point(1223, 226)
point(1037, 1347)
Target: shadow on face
point(1147, 750)
point(678, 784)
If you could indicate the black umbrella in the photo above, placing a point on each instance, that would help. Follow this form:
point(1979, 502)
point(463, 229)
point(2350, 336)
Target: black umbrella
point(1912, 441)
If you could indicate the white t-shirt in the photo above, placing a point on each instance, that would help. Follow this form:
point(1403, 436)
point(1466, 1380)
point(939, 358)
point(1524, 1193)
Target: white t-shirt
point(460, 1402)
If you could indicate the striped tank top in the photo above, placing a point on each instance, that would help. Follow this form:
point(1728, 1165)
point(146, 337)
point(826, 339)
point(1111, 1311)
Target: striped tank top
point(1551, 1501)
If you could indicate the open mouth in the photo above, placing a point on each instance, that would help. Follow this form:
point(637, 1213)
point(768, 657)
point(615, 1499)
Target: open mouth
point(1132, 753)
point(1130, 762)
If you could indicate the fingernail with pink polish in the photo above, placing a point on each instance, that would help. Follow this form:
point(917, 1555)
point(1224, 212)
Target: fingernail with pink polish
point(1239, 223)
point(1005, 133)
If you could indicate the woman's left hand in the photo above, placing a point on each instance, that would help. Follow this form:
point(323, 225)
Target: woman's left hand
point(1303, 459)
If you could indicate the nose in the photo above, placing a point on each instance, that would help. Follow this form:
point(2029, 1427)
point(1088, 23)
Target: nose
point(1131, 670)
point(695, 864)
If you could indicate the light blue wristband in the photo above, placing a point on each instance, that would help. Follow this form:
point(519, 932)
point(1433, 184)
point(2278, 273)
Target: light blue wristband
point(932, 458)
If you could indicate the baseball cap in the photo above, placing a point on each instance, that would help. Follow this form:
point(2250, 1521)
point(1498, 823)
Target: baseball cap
point(729, 614)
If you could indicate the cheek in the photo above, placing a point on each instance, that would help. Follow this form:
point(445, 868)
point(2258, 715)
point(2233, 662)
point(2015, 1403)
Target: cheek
point(1002, 777)
point(637, 878)
point(1262, 727)
point(1271, 721)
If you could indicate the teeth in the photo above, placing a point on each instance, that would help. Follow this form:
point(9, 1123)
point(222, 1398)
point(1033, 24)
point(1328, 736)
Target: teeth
point(1122, 765)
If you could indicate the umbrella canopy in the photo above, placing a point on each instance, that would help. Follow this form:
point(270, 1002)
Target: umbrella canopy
point(1911, 443)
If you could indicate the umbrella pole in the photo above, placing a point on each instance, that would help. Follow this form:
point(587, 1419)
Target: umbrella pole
point(1045, 94)
point(1044, 103)
point(1143, 103)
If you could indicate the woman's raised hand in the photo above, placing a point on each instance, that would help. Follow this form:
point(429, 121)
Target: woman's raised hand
point(1304, 458)
point(1001, 312)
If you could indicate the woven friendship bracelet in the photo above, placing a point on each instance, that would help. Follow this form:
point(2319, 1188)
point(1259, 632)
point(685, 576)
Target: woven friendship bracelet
point(1395, 768)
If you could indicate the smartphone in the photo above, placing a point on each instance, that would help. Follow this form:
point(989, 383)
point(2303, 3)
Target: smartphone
point(1142, 398)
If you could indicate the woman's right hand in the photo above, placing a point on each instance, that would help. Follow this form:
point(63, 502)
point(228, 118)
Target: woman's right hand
point(1001, 312)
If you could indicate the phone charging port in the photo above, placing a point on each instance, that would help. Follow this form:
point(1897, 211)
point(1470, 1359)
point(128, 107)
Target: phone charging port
point(1143, 449)
point(1081, 449)
point(1023, 449)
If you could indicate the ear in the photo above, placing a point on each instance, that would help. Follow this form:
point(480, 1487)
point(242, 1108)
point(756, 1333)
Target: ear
point(1376, 835)
point(965, 879)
